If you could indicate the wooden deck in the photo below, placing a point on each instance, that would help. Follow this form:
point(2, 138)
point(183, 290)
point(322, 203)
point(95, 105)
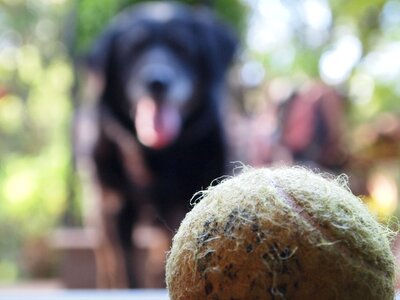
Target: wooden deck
point(84, 295)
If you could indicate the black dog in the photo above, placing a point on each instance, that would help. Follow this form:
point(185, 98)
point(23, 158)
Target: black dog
point(160, 73)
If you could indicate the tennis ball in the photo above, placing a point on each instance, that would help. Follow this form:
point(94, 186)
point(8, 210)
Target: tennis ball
point(284, 233)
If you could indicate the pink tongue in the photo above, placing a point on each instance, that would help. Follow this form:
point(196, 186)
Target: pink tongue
point(156, 125)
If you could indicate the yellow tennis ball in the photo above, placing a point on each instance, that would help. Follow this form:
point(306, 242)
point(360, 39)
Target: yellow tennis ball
point(284, 233)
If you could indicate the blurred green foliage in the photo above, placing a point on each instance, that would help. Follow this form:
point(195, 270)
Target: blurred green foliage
point(35, 107)
point(298, 48)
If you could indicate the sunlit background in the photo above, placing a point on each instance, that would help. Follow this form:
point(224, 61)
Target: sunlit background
point(351, 46)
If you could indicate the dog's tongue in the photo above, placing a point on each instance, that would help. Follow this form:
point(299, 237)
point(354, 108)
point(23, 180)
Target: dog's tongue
point(157, 125)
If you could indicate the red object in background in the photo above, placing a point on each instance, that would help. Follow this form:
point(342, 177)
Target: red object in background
point(3, 92)
point(313, 127)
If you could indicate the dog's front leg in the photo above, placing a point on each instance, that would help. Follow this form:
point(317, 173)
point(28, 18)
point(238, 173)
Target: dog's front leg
point(125, 222)
point(113, 254)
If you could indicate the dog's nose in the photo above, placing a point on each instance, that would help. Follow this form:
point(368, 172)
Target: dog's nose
point(158, 85)
point(157, 78)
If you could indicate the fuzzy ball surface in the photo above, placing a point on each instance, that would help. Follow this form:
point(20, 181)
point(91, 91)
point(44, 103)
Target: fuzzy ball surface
point(284, 233)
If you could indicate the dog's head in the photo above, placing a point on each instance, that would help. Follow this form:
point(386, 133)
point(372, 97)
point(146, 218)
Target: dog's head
point(158, 64)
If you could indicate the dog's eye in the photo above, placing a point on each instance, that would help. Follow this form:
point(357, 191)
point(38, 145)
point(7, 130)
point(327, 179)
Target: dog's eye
point(134, 40)
point(182, 47)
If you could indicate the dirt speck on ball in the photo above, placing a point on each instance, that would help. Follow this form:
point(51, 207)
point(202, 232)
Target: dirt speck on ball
point(284, 233)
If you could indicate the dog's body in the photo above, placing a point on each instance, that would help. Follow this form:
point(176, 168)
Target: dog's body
point(160, 71)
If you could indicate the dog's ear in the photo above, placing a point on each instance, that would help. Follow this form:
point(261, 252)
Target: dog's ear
point(99, 60)
point(219, 41)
